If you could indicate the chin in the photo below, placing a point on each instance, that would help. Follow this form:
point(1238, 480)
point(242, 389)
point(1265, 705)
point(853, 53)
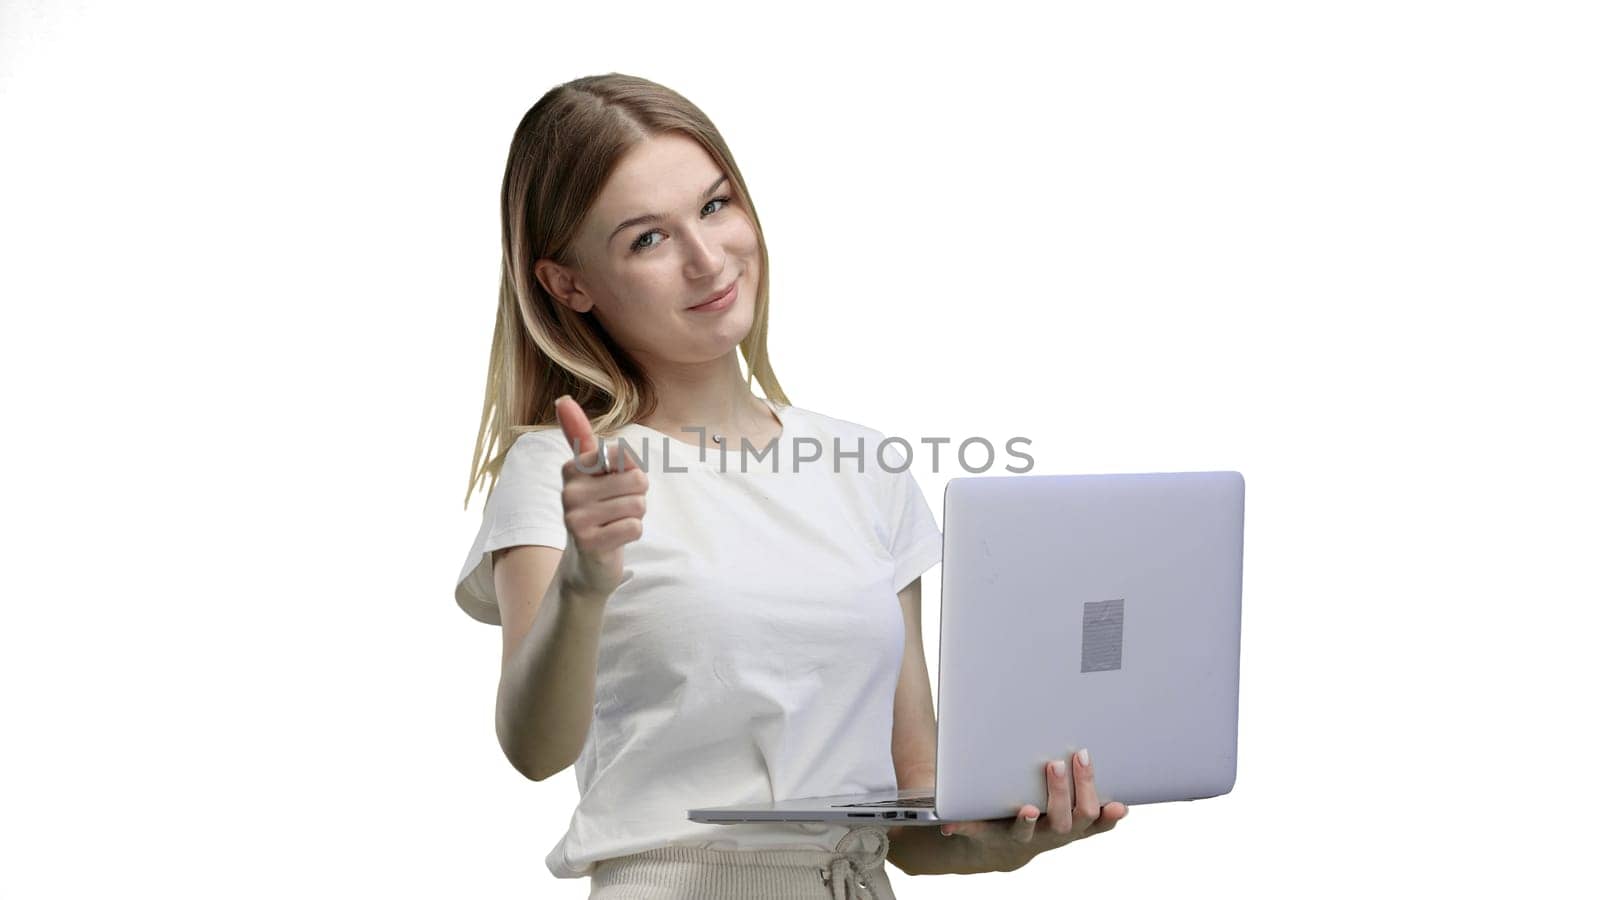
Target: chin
point(733, 329)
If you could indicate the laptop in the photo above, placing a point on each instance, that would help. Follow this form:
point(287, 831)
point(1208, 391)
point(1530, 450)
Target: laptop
point(1097, 611)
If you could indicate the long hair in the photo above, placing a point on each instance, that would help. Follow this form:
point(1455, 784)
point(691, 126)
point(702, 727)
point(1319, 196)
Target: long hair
point(562, 153)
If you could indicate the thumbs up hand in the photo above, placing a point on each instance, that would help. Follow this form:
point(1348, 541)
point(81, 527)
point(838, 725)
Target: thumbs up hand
point(603, 510)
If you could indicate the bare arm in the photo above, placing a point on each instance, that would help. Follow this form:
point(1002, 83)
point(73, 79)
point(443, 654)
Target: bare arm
point(553, 601)
point(913, 743)
point(551, 638)
point(914, 734)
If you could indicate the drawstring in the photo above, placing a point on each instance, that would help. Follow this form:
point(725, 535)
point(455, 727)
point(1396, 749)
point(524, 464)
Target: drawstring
point(847, 885)
point(860, 849)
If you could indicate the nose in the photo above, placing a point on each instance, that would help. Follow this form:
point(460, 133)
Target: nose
point(703, 254)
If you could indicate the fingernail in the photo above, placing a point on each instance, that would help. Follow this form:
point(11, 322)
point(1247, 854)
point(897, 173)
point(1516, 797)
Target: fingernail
point(1032, 818)
point(1058, 767)
point(945, 831)
point(1083, 756)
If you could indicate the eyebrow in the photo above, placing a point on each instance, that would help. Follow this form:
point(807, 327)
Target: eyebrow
point(656, 217)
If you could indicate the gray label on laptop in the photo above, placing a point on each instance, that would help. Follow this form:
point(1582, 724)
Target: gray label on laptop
point(1102, 636)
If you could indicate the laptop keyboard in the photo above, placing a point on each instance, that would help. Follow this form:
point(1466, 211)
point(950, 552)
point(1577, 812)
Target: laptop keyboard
point(915, 802)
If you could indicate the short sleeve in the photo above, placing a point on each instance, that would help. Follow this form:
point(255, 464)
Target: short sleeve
point(914, 539)
point(524, 507)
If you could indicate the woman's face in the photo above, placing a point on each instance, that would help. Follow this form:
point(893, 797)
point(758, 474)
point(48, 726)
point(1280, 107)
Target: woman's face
point(642, 278)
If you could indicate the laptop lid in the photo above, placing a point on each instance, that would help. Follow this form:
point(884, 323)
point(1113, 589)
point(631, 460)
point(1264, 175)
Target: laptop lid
point(1098, 611)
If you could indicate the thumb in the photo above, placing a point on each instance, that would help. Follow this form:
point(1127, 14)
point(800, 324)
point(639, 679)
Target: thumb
point(574, 425)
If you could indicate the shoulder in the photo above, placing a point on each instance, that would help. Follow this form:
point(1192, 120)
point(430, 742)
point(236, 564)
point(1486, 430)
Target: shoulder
point(833, 426)
point(892, 451)
point(542, 441)
point(534, 456)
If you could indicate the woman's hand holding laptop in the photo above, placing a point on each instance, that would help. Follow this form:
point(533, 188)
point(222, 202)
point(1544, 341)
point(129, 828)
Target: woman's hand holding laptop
point(1001, 845)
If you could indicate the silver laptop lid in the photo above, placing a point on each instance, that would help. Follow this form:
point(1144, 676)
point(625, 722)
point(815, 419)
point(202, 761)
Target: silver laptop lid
point(1116, 600)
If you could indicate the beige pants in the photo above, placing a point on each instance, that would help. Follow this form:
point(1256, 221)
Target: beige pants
point(852, 871)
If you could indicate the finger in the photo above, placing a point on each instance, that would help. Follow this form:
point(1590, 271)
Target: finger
point(1110, 815)
point(575, 426)
point(604, 512)
point(618, 484)
point(1087, 808)
point(580, 437)
point(620, 457)
point(610, 536)
point(1058, 805)
point(623, 456)
point(1022, 828)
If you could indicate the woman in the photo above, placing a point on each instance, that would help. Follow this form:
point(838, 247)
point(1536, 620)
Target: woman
point(746, 644)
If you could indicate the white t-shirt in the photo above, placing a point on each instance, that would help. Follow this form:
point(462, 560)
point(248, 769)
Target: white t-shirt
point(752, 650)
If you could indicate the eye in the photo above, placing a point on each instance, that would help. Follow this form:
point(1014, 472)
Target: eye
point(639, 242)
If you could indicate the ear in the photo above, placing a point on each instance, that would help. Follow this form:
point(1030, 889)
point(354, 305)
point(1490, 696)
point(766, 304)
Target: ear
point(558, 282)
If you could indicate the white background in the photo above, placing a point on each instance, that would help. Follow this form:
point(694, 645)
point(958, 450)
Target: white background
point(250, 266)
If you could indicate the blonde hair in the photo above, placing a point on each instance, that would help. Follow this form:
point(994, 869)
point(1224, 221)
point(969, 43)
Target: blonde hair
point(562, 153)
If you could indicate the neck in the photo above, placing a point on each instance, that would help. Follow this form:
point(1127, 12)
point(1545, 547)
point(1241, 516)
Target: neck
point(712, 395)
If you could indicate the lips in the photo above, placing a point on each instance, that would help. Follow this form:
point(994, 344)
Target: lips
point(718, 295)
